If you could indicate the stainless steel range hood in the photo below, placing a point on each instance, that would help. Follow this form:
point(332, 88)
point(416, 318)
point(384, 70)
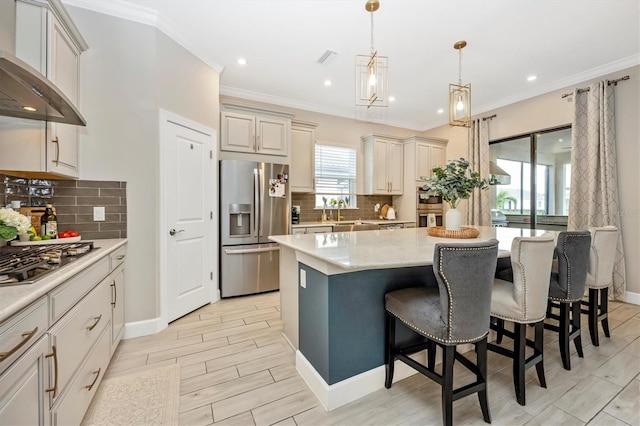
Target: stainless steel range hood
point(25, 93)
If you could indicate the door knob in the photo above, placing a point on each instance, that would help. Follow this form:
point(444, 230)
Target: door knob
point(174, 232)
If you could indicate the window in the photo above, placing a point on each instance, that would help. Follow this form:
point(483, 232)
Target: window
point(335, 175)
point(538, 196)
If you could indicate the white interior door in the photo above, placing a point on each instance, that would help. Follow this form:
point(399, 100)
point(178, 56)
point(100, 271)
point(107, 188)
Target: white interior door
point(189, 267)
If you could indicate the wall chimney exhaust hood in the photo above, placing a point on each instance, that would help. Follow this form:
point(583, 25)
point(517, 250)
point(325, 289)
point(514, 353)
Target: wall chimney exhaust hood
point(25, 93)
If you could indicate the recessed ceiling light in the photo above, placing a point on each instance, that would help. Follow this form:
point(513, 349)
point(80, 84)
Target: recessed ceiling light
point(532, 78)
point(440, 111)
point(560, 140)
point(392, 98)
point(242, 61)
point(29, 108)
point(327, 82)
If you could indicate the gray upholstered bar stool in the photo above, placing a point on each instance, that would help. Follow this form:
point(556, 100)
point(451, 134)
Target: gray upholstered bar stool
point(599, 277)
point(566, 288)
point(523, 300)
point(455, 312)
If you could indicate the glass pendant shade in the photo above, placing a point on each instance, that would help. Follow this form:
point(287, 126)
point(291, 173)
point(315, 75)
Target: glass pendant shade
point(460, 105)
point(372, 80)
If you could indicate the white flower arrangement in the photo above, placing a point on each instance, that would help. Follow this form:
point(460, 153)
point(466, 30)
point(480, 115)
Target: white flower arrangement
point(12, 223)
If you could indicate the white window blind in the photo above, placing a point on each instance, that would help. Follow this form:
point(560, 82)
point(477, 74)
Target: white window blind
point(335, 173)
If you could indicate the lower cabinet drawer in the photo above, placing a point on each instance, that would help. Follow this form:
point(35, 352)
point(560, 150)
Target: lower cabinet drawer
point(79, 330)
point(19, 332)
point(64, 297)
point(74, 401)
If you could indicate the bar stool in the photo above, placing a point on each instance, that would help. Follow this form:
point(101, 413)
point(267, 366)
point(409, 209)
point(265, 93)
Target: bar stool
point(523, 300)
point(566, 288)
point(455, 312)
point(599, 277)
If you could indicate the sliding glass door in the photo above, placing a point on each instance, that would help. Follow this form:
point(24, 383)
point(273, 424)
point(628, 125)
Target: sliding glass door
point(536, 194)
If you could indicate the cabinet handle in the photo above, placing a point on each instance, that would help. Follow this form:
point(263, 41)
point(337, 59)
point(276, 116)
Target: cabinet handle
point(95, 379)
point(254, 142)
point(120, 257)
point(115, 293)
point(54, 354)
point(26, 336)
point(57, 142)
point(258, 142)
point(92, 326)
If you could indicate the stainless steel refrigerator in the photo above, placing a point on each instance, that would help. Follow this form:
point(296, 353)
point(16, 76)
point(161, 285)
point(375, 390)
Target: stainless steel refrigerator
point(254, 203)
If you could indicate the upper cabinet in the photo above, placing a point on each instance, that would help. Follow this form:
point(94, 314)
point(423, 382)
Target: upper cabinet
point(255, 130)
point(46, 39)
point(302, 169)
point(383, 165)
point(427, 154)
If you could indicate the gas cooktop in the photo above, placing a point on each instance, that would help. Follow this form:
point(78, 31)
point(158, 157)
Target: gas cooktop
point(26, 265)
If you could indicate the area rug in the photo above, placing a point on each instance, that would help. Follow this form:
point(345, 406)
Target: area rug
point(150, 397)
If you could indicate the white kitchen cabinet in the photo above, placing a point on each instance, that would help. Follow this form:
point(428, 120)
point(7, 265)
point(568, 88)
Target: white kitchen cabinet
point(427, 153)
point(302, 169)
point(24, 398)
point(46, 39)
point(383, 165)
point(295, 231)
point(57, 349)
point(421, 154)
point(255, 134)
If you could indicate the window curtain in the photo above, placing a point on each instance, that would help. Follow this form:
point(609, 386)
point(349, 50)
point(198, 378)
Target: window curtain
point(593, 200)
point(479, 204)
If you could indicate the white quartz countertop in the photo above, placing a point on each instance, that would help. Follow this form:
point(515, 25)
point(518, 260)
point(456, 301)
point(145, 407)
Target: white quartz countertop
point(349, 222)
point(394, 248)
point(15, 297)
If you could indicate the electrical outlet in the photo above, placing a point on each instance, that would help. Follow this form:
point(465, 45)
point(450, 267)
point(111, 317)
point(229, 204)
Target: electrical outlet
point(98, 214)
point(303, 278)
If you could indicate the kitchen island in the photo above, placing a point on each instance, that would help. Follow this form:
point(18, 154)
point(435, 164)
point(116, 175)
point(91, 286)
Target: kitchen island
point(332, 290)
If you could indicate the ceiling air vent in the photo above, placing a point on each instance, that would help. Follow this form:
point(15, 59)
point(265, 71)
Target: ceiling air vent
point(327, 57)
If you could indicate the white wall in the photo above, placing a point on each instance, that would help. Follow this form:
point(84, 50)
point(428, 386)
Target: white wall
point(129, 72)
point(550, 110)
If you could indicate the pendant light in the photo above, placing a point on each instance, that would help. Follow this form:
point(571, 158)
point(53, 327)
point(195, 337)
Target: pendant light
point(372, 85)
point(459, 95)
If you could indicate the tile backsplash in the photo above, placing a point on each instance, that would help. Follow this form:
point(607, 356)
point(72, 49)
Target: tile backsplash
point(74, 201)
point(364, 211)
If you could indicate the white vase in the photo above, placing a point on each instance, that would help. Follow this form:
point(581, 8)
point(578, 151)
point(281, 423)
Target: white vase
point(453, 220)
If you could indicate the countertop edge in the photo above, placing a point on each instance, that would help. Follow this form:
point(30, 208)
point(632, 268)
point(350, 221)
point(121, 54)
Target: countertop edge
point(24, 295)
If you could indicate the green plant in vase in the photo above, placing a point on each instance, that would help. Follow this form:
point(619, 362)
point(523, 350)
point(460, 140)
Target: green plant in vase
point(454, 182)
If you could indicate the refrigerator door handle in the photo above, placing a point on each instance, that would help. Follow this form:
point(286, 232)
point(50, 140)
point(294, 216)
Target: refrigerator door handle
point(261, 204)
point(257, 250)
point(256, 201)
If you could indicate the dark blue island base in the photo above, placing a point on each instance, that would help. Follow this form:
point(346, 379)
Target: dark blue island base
point(342, 321)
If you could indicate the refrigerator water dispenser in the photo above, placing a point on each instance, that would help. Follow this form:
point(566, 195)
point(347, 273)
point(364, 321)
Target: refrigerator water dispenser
point(239, 219)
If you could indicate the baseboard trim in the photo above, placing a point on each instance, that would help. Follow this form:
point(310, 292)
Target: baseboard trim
point(633, 298)
point(143, 328)
point(346, 391)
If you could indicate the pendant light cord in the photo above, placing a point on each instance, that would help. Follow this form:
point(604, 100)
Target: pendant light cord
point(460, 67)
point(371, 32)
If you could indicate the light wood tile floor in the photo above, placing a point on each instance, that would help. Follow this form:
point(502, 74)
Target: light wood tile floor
point(237, 369)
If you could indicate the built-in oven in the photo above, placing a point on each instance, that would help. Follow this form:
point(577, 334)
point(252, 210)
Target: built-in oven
point(429, 210)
